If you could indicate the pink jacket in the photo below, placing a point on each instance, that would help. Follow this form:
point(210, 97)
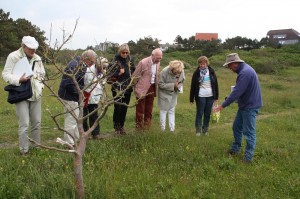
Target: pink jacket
point(143, 74)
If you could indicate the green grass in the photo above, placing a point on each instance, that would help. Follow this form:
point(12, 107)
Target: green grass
point(164, 165)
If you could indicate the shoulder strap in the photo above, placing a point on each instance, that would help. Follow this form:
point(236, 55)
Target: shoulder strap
point(93, 88)
point(33, 64)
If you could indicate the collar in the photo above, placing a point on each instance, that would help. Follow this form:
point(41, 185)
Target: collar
point(240, 67)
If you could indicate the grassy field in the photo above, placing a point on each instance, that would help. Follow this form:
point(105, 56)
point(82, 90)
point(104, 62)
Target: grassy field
point(164, 165)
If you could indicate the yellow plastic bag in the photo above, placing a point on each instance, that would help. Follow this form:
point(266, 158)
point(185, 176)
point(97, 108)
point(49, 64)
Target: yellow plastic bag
point(215, 116)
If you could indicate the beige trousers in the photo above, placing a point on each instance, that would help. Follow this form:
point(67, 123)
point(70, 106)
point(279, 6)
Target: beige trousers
point(29, 115)
point(71, 133)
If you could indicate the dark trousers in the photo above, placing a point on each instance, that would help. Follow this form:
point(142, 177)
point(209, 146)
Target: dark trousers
point(144, 109)
point(120, 111)
point(88, 122)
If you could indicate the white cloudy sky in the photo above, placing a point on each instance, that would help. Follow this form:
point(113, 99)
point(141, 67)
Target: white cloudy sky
point(124, 20)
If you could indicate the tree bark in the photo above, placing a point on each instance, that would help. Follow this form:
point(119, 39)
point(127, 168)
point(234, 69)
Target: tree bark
point(77, 163)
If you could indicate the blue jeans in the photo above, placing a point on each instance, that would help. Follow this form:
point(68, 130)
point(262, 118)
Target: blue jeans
point(203, 105)
point(245, 124)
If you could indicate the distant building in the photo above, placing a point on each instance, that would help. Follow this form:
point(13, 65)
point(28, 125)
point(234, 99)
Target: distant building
point(104, 46)
point(206, 36)
point(166, 46)
point(283, 36)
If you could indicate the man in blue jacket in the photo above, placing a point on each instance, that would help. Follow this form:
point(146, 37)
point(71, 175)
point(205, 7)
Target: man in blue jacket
point(69, 93)
point(248, 95)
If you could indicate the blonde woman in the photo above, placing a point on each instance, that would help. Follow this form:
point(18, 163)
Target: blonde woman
point(121, 72)
point(170, 83)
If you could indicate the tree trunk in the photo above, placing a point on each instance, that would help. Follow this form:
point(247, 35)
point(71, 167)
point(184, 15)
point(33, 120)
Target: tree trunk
point(77, 163)
point(78, 175)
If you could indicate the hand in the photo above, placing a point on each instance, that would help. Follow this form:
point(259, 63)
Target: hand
point(176, 86)
point(23, 78)
point(218, 108)
point(122, 70)
point(215, 104)
point(99, 68)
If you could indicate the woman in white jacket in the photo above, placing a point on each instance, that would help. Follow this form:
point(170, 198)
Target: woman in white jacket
point(95, 92)
point(28, 111)
point(170, 83)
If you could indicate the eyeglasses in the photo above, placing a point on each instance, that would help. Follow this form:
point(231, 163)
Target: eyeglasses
point(124, 53)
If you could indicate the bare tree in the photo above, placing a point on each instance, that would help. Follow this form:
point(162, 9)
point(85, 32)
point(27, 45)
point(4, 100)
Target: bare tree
point(78, 149)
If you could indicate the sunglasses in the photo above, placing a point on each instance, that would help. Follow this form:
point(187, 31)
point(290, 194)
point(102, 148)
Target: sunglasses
point(124, 53)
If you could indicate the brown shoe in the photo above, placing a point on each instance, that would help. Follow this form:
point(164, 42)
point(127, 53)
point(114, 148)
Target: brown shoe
point(97, 137)
point(122, 131)
point(117, 132)
point(231, 152)
point(246, 161)
point(23, 154)
point(139, 128)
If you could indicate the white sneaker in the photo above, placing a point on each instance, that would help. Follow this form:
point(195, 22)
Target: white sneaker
point(197, 134)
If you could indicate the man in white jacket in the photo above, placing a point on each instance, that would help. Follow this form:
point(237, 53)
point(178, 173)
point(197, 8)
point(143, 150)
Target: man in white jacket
point(28, 111)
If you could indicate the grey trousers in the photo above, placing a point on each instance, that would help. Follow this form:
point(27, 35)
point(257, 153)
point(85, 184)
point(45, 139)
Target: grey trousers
point(29, 115)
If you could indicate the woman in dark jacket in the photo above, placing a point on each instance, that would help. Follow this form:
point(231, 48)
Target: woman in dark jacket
point(121, 69)
point(205, 91)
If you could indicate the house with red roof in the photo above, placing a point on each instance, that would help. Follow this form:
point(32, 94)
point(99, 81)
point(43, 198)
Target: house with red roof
point(206, 36)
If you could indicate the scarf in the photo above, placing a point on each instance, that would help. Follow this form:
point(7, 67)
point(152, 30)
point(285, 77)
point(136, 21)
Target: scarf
point(202, 74)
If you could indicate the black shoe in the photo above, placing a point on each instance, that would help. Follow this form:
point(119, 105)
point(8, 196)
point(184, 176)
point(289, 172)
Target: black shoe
point(205, 131)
